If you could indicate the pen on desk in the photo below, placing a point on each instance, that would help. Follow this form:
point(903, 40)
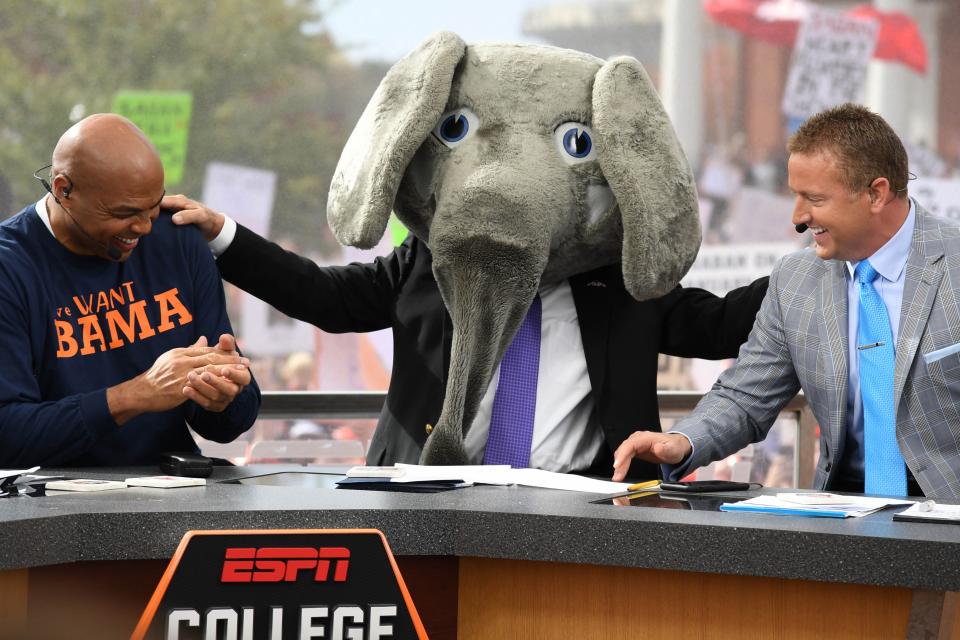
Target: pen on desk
point(643, 485)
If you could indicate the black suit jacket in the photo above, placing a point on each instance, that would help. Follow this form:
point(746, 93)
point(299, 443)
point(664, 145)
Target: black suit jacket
point(621, 337)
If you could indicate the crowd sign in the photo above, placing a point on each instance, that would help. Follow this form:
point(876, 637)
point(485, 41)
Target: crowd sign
point(829, 64)
point(758, 216)
point(939, 196)
point(924, 162)
point(165, 117)
point(281, 585)
point(720, 268)
point(247, 194)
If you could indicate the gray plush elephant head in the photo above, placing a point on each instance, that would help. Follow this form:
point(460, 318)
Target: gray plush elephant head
point(516, 164)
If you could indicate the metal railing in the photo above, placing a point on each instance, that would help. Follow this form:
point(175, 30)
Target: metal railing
point(290, 405)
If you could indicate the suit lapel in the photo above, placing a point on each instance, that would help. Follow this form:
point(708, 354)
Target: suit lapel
point(921, 282)
point(833, 302)
point(592, 296)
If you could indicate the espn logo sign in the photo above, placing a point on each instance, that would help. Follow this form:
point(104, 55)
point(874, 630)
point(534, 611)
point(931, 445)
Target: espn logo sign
point(283, 564)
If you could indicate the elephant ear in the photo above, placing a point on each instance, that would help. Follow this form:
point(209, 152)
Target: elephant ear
point(401, 114)
point(647, 171)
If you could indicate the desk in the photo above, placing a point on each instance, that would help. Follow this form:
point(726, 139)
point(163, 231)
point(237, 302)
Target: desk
point(584, 570)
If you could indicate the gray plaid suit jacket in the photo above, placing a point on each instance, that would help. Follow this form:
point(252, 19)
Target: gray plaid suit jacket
point(799, 340)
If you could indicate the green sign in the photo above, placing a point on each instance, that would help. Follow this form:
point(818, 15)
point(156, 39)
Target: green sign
point(398, 232)
point(165, 117)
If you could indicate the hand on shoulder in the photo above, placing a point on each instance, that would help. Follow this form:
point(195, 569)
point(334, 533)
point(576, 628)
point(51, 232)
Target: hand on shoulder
point(187, 211)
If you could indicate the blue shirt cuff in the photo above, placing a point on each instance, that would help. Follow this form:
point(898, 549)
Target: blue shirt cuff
point(674, 473)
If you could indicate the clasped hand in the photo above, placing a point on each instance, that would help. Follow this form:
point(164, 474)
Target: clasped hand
point(210, 376)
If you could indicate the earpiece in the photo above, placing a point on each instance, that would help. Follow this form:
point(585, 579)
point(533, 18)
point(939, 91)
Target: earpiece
point(112, 252)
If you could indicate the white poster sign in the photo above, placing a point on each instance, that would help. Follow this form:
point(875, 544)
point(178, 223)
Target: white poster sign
point(243, 193)
point(924, 162)
point(757, 216)
point(720, 268)
point(829, 65)
point(246, 195)
point(939, 196)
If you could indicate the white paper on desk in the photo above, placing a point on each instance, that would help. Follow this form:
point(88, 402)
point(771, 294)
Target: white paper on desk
point(852, 507)
point(564, 481)
point(475, 473)
point(503, 474)
point(10, 473)
point(935, 511)
point(855, 502)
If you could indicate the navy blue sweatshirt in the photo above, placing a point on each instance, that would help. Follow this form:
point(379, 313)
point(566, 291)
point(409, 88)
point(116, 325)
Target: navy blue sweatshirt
point(71, 326)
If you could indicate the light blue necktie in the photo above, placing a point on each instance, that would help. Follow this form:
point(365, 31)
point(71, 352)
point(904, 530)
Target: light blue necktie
point(883, 466)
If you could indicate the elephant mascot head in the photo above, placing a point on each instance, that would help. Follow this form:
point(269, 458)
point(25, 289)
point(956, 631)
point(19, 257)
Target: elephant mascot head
point(517, 165)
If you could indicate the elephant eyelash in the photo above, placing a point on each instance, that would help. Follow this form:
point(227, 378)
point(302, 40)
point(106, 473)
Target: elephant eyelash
point(571, 116)
point(463, 103)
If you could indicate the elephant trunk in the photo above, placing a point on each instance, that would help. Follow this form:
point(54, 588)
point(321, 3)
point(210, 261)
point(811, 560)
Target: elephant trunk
point(488, 281)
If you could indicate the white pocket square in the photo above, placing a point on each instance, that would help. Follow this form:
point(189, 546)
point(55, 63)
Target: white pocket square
point(940, 354)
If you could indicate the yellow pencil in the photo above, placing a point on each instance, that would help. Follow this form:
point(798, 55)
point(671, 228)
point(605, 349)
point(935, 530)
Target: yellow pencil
point(643, 485)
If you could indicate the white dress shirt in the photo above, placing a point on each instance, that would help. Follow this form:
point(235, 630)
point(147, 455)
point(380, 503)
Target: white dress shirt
point(565, 437)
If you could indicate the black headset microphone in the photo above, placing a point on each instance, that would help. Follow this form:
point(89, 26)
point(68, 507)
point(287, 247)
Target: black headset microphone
point(802, 227)
point(112, 252)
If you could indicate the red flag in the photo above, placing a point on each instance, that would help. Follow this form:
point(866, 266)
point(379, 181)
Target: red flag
point(899, 38)
point(774, 22)
point(777, 22)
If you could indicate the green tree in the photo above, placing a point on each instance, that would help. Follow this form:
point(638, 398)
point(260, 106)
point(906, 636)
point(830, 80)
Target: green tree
point(269, 88)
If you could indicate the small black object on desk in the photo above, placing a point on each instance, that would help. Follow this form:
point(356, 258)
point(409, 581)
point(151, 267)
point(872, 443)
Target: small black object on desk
point(187, 465)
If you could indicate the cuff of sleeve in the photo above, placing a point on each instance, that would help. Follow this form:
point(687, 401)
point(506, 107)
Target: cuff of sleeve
point(222, 242)
point(674, 473)
point(96, 413)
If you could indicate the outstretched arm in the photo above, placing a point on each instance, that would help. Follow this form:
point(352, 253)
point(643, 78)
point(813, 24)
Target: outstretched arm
point(337, 299)
point(699, 324)
point(740, 408)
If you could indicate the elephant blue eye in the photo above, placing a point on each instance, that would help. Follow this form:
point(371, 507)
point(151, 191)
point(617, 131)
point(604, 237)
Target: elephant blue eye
point(456, 126)
point(575, 142)
point(453, 128)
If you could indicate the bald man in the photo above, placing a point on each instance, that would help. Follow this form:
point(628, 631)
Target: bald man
point(106, 313)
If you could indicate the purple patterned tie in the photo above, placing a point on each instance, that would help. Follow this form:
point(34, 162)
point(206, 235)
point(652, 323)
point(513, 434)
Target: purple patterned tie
point(515, 403)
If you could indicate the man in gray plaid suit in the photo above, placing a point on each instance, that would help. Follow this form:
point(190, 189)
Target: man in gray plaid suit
point(849, 172)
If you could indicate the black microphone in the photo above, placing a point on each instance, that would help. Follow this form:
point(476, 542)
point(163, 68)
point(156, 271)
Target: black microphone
point(112, 252)
point(801, 228)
